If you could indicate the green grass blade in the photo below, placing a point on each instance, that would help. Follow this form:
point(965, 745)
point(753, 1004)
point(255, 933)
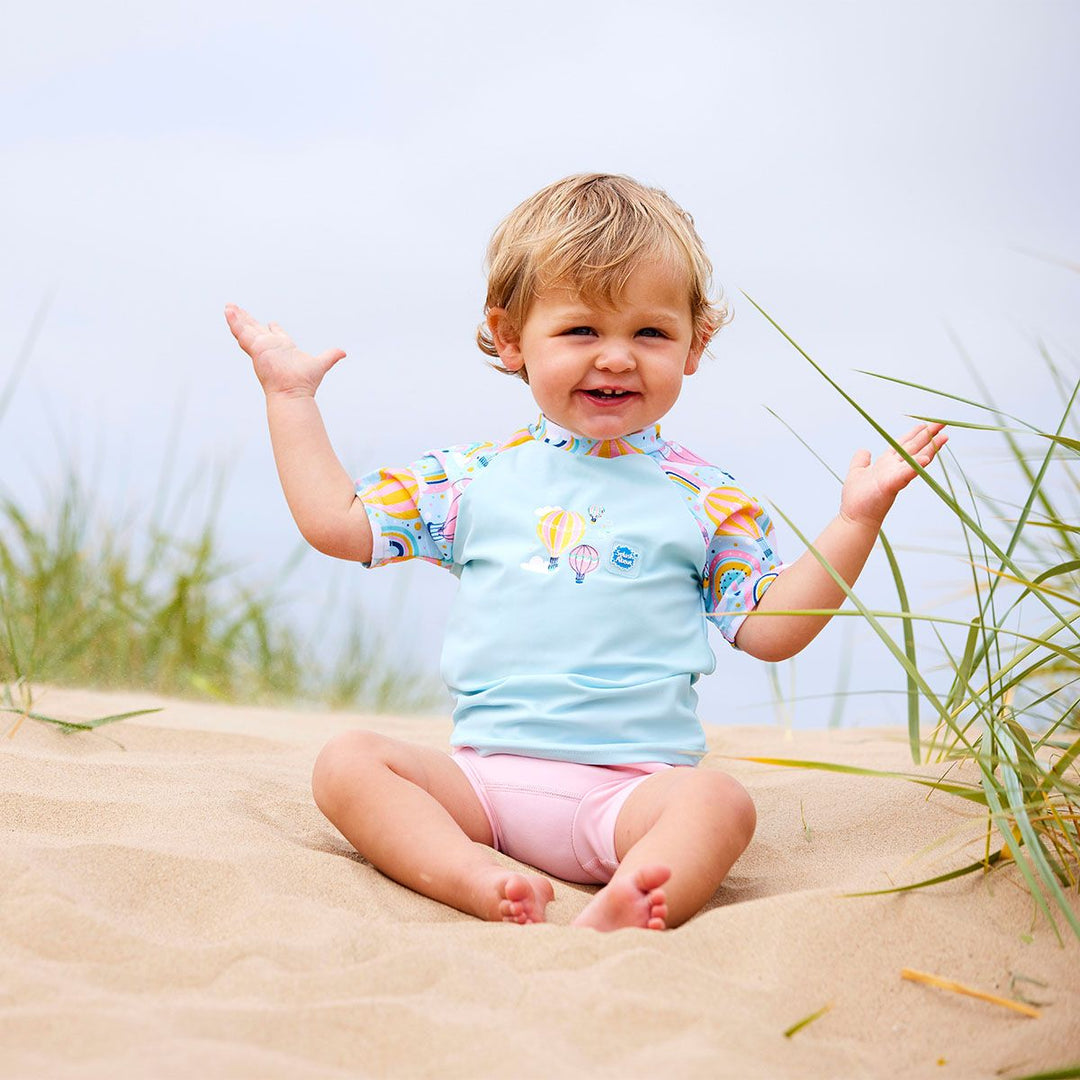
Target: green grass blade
point(961, 681)
point(813, 453)
point(1057, 440)
point(83, 725)
point(800, 1024)
point(1032, 846)
point(982, 864)
point(1057, 772)
point(26, 350)
point(908, 631)
point(943, 394)
point(1002, 817)
point(962, 791)
point(1057, 526)
point(1066, 1072)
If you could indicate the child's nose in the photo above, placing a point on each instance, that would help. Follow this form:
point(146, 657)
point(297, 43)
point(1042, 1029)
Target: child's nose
point(616, 357)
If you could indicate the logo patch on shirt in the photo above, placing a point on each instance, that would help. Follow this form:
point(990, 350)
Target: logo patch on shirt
point(624, 560)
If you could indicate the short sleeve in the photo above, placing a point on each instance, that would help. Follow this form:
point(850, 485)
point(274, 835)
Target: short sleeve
point(413, 510)
point(741, 562)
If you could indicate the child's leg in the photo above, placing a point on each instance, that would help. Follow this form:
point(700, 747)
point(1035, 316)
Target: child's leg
point(412, 814)
point(677, 835)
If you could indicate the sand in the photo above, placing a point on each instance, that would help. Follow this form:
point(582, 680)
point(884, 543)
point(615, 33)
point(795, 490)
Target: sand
point(173, 904)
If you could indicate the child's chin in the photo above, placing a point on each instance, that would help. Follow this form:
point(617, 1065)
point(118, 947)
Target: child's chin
point(613, 427)
point(600, 422)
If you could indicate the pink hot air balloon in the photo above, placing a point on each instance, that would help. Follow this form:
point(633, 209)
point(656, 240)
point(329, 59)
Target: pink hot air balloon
point(674, 452)
point(457, 489)
point(584, 559)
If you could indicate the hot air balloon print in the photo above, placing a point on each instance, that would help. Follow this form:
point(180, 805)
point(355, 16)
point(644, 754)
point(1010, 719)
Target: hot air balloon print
point(675, 452)
point(728, 507)
point(559, 530)
point(446, 529)
point(596, 512)
point(395, 493)
point(432, 473)
point(584, 559)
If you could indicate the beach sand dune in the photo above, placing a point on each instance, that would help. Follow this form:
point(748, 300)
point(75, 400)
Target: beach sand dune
point(172, 904)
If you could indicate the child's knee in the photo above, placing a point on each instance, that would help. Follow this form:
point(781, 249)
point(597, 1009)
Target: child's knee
point(745, 811)
point(341, 762)
point(732, 804)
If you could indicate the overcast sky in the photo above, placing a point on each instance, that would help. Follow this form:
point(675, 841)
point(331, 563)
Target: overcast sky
point(869, 173)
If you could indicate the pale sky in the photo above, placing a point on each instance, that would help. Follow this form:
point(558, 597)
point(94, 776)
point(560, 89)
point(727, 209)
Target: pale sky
point(868, 173)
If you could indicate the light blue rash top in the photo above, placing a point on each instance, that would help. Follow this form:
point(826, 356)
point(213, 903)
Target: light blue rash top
point(587, 569)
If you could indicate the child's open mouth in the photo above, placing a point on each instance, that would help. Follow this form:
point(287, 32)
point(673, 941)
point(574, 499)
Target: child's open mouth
point(609, 397)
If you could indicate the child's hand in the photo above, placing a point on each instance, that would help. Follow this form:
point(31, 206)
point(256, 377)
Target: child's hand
point(280, 366)
point(870, 489)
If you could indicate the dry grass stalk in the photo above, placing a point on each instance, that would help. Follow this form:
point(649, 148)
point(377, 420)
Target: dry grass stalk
point(960, 988)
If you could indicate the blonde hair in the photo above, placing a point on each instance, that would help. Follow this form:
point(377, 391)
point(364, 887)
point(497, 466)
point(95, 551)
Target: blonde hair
point(589, 233)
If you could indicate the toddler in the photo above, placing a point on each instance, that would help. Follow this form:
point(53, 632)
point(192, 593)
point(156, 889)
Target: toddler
point(590, 551)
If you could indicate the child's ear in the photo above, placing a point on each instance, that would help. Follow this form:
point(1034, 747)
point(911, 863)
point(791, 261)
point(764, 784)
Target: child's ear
point(697, 350)
point(506, 339)
point(693, 357)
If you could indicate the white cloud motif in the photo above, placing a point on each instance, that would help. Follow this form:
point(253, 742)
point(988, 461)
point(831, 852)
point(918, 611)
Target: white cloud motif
point(536, 565)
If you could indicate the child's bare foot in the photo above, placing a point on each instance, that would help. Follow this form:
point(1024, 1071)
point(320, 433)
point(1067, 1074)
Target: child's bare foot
point(516, 898)
point(525, 898)
point(636, 900)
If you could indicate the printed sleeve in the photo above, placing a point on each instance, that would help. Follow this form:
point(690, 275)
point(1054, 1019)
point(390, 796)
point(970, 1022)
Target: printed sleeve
point(741, 562)
point(413, 510)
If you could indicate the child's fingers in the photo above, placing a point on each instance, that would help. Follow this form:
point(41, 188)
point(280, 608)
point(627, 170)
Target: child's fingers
point(930, 438)
point(930, 451)
point(242, 324)
point(923, 434)
point(860, 461)
point(916, 438)
point(236, 315)
point(922, 438)
point(924, 449)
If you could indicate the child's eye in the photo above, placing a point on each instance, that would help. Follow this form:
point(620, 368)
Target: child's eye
point(580, 330)
point(651, 331)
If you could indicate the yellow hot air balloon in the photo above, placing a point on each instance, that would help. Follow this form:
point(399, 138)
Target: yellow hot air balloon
point(559, 530)
point(394, 493)
point(730, 508)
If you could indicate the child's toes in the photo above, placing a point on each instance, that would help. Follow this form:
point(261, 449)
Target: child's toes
point(512, 911)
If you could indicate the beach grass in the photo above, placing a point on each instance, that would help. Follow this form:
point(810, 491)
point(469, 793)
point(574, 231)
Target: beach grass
point(994, 696)
point(88, 603)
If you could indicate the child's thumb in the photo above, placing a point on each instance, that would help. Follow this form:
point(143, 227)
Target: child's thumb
point(329, 358)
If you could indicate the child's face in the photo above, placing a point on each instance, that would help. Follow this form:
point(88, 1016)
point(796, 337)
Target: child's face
point(604, 373)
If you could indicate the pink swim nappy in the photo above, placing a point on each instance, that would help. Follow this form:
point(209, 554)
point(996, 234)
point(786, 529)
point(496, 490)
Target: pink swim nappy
point(558, 816)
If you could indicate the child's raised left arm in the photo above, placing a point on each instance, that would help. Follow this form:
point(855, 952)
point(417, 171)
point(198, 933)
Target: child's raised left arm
point(868, 493)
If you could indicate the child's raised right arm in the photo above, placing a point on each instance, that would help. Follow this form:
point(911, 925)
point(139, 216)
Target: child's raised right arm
point(320, 493)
